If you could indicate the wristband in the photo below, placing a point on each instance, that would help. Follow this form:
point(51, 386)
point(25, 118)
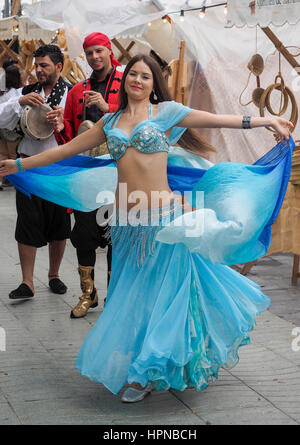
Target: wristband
point(19, 165)
point(246, 122)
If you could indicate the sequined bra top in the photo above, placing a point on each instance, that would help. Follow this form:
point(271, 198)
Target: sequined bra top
point(146, 137)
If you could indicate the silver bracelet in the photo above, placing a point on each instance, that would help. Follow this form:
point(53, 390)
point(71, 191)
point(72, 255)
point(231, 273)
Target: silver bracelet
point(246, 122)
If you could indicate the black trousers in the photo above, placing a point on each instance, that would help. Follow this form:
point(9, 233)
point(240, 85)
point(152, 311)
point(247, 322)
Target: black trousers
point(86, 236)
point(40, 222)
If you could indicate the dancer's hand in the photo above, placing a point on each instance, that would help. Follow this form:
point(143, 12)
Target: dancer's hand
point(32, 99)
point(282, 128)
point(8, 167)
point(94, 98)
point(56, 117)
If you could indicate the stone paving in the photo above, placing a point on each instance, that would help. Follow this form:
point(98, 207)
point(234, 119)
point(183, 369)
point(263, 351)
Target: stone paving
point(39, 385)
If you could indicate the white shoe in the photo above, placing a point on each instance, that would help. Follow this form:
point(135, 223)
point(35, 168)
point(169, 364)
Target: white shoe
point(132, 395)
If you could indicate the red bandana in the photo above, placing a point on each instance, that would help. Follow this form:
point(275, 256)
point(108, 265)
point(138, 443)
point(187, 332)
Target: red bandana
point(97, 38)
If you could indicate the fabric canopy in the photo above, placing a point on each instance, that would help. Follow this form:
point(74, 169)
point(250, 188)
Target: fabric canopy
point(217, 59)
point(25, 29)
point(80, 18)
point(8, 28)
point(262, 12)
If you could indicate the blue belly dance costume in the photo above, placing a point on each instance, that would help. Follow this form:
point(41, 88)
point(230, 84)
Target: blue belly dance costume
point(175, 312)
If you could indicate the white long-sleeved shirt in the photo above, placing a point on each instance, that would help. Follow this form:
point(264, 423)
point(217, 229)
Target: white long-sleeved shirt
point(10, 113)
point(13, 92)
point(9, 108)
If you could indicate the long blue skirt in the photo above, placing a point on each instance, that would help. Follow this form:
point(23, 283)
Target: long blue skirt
point(172, 318)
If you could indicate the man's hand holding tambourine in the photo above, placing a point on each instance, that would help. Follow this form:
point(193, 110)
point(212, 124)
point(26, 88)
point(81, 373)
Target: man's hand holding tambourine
point(32, 99)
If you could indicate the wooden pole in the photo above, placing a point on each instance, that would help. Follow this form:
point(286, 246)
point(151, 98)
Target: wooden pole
point(122, 50)
point(178, 91)
point(7, 49)
point(131, 44)
point(281, 48)
point(16, 7)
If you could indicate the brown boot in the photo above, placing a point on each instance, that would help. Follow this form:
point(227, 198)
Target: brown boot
point(89, 298)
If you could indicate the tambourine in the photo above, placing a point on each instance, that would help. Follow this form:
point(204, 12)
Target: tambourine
point(95, 151)
point(34, 122)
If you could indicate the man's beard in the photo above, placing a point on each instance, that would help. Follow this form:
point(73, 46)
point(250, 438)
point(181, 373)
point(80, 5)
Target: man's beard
point(100, 70)
point(49, 80)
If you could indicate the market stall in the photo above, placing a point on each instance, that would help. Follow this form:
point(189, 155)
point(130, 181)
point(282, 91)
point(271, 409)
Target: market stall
point(217, 73)
point(29, 35)
point(286, 229)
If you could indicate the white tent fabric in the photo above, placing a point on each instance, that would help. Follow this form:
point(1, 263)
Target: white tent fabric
point(24, 28)
point(116, 18)
point(221, 75)
point(28, 30)
point(8, 28)
point(262, 12)
point(217, 57)
point(80, 17)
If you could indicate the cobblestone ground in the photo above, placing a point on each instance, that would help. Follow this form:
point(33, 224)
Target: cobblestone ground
point(39, 385)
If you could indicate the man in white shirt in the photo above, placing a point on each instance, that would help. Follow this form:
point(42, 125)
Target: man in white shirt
point(10, 82)
point(39, 222)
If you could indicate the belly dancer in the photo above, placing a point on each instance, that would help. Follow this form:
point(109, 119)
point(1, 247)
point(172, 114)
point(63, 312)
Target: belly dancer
point(175, 313)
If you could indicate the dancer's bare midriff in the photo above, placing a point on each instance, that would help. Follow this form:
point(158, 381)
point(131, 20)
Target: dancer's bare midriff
point(142, 180)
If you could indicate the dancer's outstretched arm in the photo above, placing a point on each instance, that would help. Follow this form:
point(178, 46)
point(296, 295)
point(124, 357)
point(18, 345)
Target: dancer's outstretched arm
point(203, 119)
point(89, 139)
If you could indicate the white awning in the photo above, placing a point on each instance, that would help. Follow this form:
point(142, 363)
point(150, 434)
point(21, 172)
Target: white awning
point(28, 30)
point(25, 29)
point(116, 18)
point(262, 12)
point(8, 28)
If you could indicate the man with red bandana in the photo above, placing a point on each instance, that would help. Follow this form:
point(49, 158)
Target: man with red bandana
point(101, 93)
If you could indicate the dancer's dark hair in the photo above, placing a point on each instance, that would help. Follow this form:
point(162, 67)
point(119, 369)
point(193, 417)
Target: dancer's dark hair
point(191, 140)
point(12, 77)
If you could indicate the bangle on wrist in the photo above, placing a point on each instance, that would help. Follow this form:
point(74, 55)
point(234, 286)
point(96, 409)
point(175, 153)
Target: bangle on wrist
point(246, 122)
point(19, 165)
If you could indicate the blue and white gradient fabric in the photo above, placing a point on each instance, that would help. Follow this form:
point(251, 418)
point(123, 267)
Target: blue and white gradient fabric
point(237, 207)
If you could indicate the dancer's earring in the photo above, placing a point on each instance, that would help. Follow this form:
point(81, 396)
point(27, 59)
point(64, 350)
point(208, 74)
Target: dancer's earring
point(154, 95)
